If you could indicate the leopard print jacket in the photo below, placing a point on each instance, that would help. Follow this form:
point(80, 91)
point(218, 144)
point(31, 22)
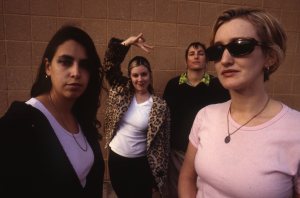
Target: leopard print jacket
point(119, 99)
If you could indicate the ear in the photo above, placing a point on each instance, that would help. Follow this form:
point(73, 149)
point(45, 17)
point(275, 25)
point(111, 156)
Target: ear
point(47, 67)
point(270, 59)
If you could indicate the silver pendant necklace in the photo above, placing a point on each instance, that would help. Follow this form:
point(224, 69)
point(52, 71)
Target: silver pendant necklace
point(85, 141)
point(228, 138)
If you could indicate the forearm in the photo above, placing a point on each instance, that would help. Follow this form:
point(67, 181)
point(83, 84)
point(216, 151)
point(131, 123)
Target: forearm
point(187, 187)
point(116, 51)
point(188, 177)
point(114, 56)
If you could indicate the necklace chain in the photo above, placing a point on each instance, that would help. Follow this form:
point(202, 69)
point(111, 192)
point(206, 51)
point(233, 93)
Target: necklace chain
point(85, 141)
point(228, 138)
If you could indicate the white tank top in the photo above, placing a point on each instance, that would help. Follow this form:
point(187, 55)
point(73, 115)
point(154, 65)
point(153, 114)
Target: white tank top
point(131, 138)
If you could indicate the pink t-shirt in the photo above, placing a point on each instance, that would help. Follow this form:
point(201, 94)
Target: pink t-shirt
point(260, 161)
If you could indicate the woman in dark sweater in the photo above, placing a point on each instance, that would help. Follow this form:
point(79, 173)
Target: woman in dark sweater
point(49, 145)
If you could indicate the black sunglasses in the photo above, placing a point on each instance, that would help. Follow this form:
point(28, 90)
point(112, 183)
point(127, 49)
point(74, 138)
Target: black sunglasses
point(237, 48)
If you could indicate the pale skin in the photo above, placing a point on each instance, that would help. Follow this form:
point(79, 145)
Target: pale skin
point(140, 78)
point(138, 41)
point(187, 178)
point(243, 77)
point(140, 75)
point(196, 65)
point(69, 77)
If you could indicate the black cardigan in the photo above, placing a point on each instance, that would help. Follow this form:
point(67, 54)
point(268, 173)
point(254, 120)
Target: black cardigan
point(33, 162)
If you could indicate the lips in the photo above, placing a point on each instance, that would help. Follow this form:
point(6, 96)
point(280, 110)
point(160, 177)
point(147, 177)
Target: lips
point(74, 85)
point(229, 72)
point(140, 83)
point(197, 63)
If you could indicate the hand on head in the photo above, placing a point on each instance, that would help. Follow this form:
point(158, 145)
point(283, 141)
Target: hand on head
point(138, 41)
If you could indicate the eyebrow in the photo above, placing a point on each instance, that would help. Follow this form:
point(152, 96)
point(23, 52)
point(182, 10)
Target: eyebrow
point(193, 51)
point(71, 57)
point(66, 57)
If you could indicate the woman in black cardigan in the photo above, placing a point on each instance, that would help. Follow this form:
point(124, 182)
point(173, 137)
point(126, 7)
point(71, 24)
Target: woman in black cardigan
point(49, 145)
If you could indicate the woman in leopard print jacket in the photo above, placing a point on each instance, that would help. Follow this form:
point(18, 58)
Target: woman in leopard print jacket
point(137, 124)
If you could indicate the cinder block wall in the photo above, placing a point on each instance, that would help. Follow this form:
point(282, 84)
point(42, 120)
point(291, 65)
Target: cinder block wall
point(169, 25)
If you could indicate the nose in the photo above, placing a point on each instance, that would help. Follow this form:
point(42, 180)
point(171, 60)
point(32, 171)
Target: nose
point(140, 78)
point(226, 59)
point(75, 70)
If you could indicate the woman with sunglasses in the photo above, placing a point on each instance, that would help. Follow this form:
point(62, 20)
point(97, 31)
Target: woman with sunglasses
point(248, 146)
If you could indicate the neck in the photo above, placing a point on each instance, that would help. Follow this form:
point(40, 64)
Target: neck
point(242, 108)
point(142, 92)
point(195, 76)
point(141, 96)
point(247, 102)
point(64, 106)
point(250, 96)
point(63, 114)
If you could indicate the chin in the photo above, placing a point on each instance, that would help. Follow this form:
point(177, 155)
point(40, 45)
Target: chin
point(229, 85)
point(141, 90)
point(197, 68)
point(74, 96)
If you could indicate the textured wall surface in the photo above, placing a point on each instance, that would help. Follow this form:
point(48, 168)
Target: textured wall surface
point(169, 25)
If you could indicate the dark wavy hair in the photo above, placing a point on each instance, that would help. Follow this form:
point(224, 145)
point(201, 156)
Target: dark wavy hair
point(86, 106)
point(138, 61)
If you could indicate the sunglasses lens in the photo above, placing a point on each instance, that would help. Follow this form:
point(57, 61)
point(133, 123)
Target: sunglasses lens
point(214, 53)
point(237, 48)
point(241, 47)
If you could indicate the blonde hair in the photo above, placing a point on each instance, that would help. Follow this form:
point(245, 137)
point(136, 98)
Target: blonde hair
point(267, 28)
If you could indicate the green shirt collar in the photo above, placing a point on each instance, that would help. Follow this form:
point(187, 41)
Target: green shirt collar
point(183, 78)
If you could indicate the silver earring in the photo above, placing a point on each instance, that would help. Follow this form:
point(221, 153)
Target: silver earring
point(46, 76)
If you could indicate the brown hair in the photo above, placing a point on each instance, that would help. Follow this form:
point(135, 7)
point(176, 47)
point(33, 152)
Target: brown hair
point(268, 30)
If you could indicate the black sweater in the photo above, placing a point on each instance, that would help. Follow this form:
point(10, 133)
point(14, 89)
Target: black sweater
point(185, 101)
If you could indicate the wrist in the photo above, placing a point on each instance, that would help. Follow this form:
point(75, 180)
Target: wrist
point(123, 43)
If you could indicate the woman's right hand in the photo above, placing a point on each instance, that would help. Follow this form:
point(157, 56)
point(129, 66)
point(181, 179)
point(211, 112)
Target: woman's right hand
point(138, 41)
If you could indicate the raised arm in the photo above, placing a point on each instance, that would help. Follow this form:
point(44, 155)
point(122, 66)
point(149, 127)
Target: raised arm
point(115, 54)
point(138, 41)
point(188, 177)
